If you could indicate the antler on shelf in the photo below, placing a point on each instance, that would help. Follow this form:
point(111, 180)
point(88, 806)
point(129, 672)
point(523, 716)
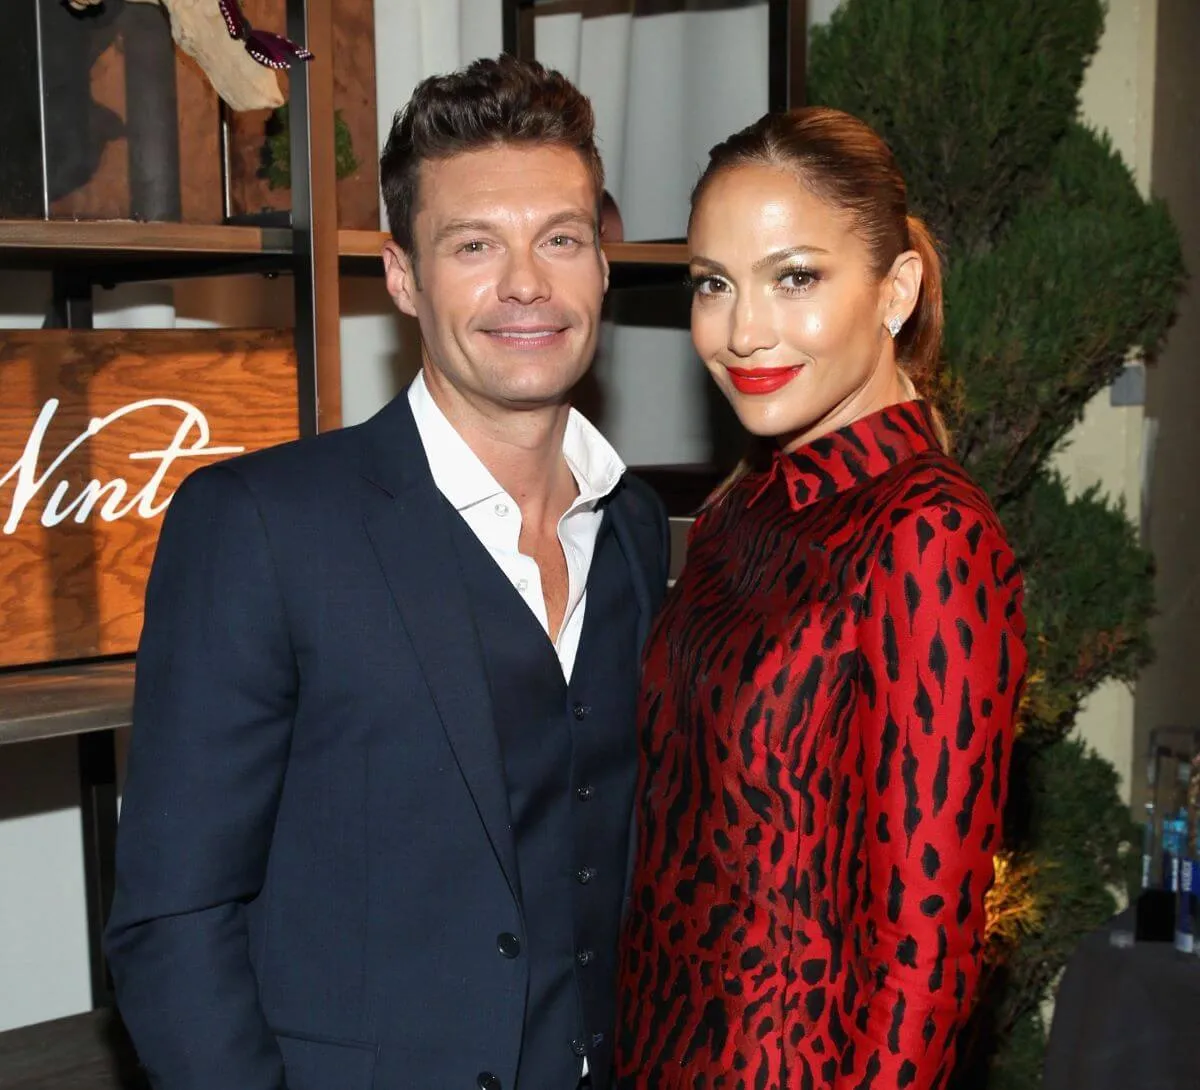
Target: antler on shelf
point(200, 30)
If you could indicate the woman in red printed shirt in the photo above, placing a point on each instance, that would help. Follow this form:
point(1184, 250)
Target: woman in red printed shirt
point(830, 691)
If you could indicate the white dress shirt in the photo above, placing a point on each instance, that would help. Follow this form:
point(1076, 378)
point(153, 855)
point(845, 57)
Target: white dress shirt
point(495, 518)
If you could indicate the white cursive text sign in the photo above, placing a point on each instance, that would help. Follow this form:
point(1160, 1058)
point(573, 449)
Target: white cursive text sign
point(111, 499)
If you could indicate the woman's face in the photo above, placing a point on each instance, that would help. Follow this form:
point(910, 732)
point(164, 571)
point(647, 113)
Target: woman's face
point(788, 313)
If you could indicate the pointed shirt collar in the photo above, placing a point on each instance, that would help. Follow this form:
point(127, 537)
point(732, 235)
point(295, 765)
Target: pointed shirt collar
point(851, 455)
point(465, 481)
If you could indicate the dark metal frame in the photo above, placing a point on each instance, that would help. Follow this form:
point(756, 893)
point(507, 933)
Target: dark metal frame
point(787, 22)
point(304, 270)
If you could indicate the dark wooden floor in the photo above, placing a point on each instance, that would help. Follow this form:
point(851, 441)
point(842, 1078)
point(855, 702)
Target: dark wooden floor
point(85, 1052)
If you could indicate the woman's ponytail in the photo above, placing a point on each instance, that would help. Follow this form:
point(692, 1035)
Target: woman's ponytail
point(919, 342)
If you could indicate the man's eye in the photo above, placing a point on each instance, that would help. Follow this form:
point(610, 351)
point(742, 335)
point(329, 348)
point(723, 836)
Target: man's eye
point(475, 246)
point(563, 241)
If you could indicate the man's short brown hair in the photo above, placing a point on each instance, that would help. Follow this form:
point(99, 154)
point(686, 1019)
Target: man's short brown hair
point(491, 102)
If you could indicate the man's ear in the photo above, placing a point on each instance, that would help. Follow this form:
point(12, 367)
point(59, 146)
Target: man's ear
point(400, 273)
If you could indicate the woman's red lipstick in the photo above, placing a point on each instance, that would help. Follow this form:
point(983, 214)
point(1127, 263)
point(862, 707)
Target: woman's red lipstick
point(761, 380)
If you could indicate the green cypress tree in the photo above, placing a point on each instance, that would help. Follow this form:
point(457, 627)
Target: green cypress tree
point(1056, 271)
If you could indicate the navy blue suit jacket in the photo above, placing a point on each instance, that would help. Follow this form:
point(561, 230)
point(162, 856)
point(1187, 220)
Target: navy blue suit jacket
point(314, 854)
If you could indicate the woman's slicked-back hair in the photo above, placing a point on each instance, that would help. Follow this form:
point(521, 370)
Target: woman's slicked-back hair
point(844, 162)
point(490, 103)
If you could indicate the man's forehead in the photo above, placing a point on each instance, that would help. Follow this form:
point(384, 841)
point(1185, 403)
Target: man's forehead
point(546, 176)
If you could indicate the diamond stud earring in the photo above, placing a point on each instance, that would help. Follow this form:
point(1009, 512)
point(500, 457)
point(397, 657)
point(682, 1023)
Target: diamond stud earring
point(893, 324)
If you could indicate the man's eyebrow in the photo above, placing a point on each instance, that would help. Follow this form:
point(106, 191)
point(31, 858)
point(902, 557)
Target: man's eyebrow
point(571, 215)
point(462, 227)
point(453, 228)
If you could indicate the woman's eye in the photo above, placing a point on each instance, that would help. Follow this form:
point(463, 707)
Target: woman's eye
point(797, 280)
point(707, 285)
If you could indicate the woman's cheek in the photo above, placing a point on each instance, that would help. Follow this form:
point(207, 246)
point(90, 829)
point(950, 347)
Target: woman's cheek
point(808, 330)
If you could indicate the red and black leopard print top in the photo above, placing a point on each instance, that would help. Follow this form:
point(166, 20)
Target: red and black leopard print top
point(826, 724)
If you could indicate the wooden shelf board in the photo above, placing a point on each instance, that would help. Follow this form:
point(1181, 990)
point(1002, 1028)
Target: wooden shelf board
point(126, 239)
point(361, 243)
point(647, 253)
point(370, 243)
point(51, 703)
point(89, 1050)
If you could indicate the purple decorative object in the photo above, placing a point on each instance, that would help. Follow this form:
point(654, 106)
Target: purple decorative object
point(269, 49)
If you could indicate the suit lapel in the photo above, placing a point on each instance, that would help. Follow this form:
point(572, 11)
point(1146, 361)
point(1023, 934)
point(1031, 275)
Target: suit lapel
point(638, 535)
point(636, 538)
point(408, 523)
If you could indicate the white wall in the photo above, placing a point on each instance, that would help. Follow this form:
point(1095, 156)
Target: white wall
point(1166, 689)
point(1106, 447)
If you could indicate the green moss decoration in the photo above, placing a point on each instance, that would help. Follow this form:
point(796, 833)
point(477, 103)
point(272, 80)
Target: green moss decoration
point(276, 151)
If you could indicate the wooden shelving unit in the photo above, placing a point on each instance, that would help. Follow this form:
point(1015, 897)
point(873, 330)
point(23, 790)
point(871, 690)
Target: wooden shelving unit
point(632, 264)
point(118, 239)
point(111, 251)
point(90, 702)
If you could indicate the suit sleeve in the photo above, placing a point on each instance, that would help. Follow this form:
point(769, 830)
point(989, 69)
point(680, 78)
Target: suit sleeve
point(213, 703)
point(943, 663)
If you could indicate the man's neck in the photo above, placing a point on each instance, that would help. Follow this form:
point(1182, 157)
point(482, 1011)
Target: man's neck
point(522, 449)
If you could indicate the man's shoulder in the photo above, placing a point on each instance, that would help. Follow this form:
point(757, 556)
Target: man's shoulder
point(640, 500)
point(312, 466)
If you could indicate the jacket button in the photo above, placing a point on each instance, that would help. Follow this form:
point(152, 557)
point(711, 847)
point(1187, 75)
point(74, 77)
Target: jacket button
point(488, 1081)
point(508, 944)
point(584, 792)
point(579, 1047)
point(580, 711)
point(584, 957)
point(584, 875)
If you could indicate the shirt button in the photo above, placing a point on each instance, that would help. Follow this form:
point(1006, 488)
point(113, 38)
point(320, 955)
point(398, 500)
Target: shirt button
point(522, 585)
point(579, 1047)
point(584, 957)
point(584, 875)
point(508, 944)
point(488, 1081)
point(501, 509)
point(580, 711)
point(584, 792)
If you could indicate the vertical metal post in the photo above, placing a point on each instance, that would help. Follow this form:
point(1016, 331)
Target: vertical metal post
point(314, 218)
point(151, 114)
point(787, 44)
point(98, 818)
point(72, 309)
point(510, 25)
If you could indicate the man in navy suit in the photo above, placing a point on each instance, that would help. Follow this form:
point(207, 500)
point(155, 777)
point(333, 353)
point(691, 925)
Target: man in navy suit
point(376, 827)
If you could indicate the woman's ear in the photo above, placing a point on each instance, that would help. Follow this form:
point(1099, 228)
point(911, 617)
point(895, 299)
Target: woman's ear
point(902, 288)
